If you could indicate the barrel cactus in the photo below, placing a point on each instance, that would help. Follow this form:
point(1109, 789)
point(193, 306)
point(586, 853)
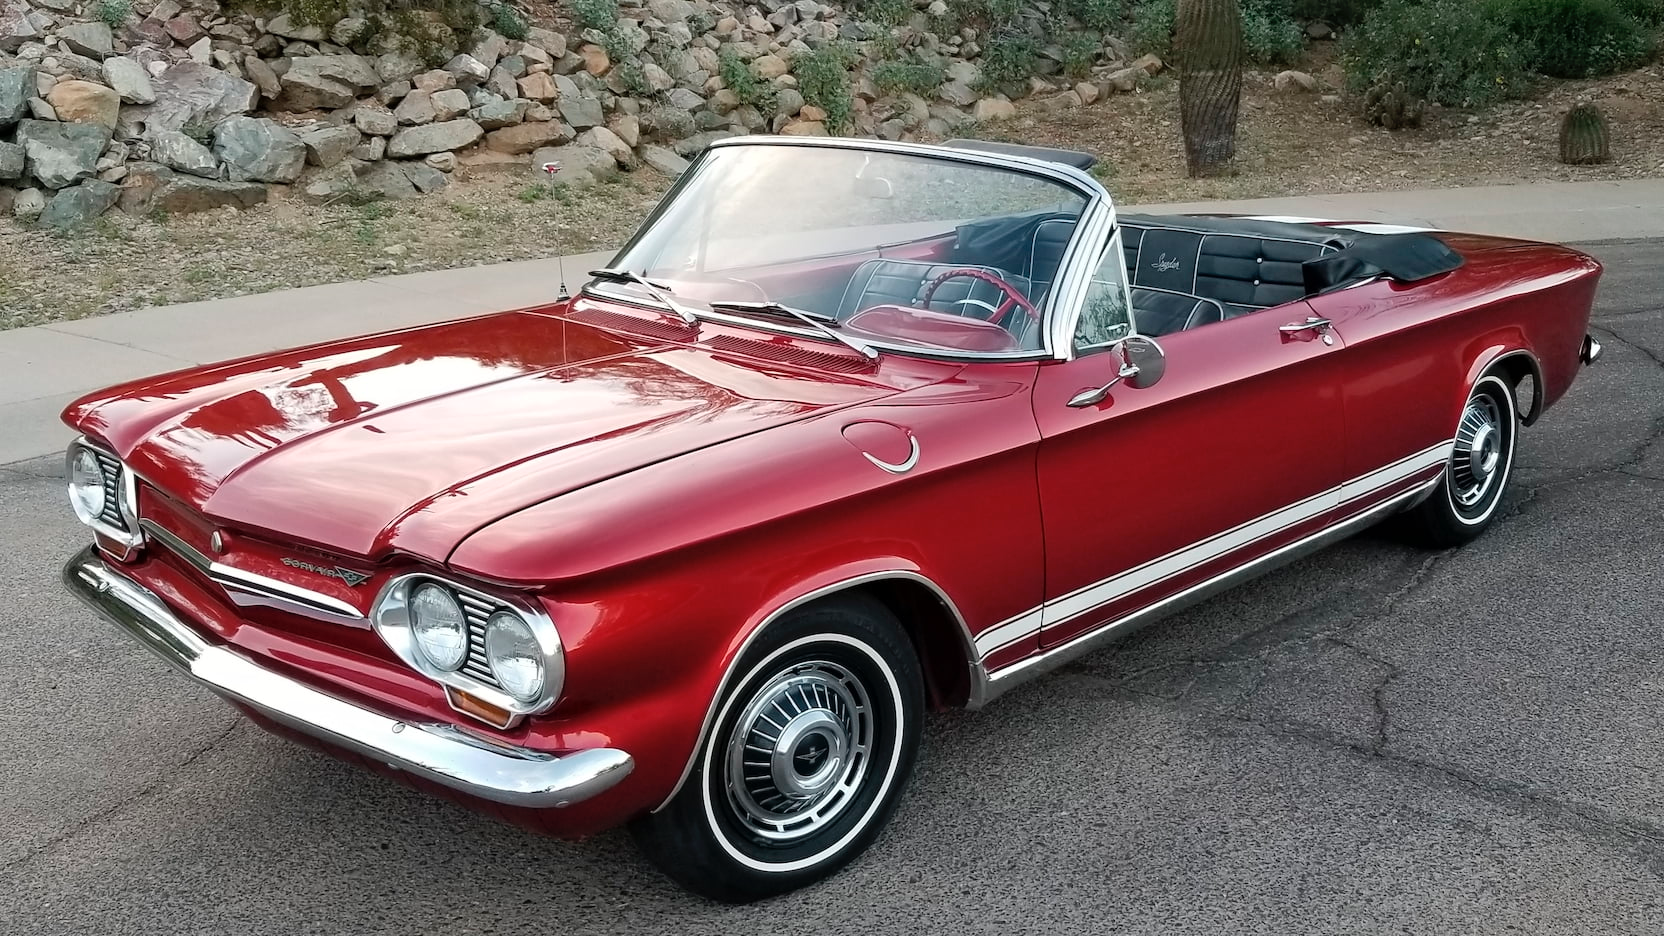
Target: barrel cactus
point(1392, 107)
point(1583, 138)
point(1207, 41)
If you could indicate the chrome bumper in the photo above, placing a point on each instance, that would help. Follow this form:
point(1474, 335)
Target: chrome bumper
point(1591, 350)
point(438, 752)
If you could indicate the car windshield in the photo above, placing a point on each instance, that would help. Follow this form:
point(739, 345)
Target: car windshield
point(893, 249)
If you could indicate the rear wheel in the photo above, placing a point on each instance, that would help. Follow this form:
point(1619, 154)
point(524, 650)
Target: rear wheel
point(809, 752)
point(1476, 475)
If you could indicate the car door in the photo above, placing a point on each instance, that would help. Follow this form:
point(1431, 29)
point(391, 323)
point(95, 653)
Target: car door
point(1237, 450)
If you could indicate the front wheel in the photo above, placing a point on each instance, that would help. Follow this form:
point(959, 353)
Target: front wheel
point(805, 760)
point(1476, 475)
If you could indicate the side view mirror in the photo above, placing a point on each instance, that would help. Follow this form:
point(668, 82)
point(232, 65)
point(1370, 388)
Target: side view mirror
point(1141, 362)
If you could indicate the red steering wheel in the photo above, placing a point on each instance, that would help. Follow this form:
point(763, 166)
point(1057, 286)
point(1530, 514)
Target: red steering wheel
point(1013, 295)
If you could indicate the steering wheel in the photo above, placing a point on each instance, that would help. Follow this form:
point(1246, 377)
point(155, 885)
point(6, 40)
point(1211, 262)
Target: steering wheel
point(1013, 296)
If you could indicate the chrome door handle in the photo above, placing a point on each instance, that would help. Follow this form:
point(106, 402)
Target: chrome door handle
point(1312, 323)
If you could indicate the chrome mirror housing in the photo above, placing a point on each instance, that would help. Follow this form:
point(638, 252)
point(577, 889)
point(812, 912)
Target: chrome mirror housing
point(1142, 362)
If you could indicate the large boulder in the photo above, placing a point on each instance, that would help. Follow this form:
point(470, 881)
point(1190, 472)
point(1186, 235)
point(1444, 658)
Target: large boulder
point(129, 80)
point(581, 111)
point(416, 109)
point(500, 114)
point(17, 86)
point(149, 187)
point(326, 82)
point(61, 154)
point(354, 181)
point(85, 102)
point(285, 26)
point(450, 104)
point(375, 121)
point(525, 137)
point(608, 142)
point(434, 138)
point(193, 94)
point(326, 146)
point(11, 162)
point(579, 164)
point(259, 150)
point(91, 39)
point(79, 205)
point(178, 151)
point(16, 27)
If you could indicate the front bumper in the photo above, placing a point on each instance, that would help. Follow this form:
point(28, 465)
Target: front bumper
point(441, 753)
point(1591, 350)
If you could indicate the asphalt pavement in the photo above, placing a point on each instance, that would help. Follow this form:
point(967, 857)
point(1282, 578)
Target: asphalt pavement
point(1374, 740)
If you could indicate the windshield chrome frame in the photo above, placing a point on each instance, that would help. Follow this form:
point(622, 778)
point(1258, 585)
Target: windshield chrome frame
point(1062, 308)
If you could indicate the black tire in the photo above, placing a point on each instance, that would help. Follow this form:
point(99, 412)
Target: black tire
point(817, 660)
point(1467, 498)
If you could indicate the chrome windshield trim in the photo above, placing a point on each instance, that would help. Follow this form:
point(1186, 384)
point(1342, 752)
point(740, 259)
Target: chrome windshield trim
point(443, 753)
point(231, 578)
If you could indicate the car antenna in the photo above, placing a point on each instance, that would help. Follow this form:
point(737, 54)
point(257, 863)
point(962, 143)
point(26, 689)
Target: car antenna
point(550, 168)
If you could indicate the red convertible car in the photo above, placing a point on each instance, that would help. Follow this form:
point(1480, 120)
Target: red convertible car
point(847, 430)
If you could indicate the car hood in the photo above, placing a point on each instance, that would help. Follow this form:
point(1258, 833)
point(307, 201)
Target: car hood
point(411, 440)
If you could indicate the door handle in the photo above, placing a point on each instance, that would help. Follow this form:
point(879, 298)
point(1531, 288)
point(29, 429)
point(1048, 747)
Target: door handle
point(1312, 323)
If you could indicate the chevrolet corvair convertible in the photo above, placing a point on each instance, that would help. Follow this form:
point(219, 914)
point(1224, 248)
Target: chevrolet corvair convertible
point(848, 429)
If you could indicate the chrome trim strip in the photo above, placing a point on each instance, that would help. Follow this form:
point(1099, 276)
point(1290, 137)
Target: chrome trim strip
point(438, 752)
point(898, 467)
point(231, 578)
point(978, 676)
point(126, 501)
point(1086, 598)
point(1007, 678)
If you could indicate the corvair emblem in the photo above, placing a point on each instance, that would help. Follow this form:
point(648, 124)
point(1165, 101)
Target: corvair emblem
point(352, 578)
point(1165, 263)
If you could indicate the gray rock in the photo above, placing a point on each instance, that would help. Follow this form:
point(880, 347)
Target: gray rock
point(17, 86)
point(326, 146)
point(499, 115)
point(579, 164)
point(326, 82)
point(179, 152)
point(375, 121)
point(257, 71)
point(424, 177)
point(41, 110)
point(958, 93)
point(80, 66)
point(399, 66)
point(29, 204)
point(194, 94)
point(348, 30)
point(149, 187)
point(130, 80)
point(61, 154)
point(434, 138)
point(670, 11)
point(372, 149)
point(581, 111)
point(15, 26)
point(283, 25)
point(259, 150)
point(489, 49)
point(415, 109)
point(469, 71)
point(691, 146)
point(525, 137)
point(684, 99)
point(354, 182)
point(385, 179)
point(450, 104)
point(787, 102)
point(79, 205)
point(516, 65)
point(663, 160)
point(8, 197)
point(92, 39)
point(11, 161)
point(666, 123)
point(551, 42)
point(502, 82)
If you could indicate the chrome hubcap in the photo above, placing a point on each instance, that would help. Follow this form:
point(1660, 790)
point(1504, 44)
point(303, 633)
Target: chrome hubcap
point(799, 752)
point(1478, 456)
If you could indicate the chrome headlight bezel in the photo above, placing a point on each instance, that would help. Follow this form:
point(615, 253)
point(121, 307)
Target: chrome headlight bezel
point(127, 494)
point(390, 618)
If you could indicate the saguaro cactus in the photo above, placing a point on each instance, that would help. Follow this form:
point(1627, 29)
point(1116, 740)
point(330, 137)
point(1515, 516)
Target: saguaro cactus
point(1207, 40)
point(1583, 139)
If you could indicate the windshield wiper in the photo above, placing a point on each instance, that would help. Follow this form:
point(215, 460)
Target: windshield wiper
point(657, 290)
point(818, 321)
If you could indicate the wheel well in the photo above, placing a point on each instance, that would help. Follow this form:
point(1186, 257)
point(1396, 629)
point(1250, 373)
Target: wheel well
point(1518, 367)
point(938, 637)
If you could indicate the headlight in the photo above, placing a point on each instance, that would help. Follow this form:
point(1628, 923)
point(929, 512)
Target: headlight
point(515, 657)
point(440, 630)
point(86, 485)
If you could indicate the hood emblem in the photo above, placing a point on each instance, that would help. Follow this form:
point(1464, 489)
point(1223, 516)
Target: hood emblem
point(353, 579)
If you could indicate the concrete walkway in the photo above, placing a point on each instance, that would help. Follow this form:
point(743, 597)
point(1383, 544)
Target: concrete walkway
point(44, 367)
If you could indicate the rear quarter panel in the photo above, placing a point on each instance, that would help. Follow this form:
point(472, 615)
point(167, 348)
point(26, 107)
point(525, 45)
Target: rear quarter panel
point(1413, 351)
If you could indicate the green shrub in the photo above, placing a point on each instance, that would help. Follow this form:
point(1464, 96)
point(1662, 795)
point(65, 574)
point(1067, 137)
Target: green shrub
point(1097, 15)
point(509, 22)
point(1009, 56)
point(1452, 52)
point(596, 14)
point(1080, 51)
point(1645, 12)
point(738, 77)
point(887, 12)
point(1333, 12)
point(823, 80)
point(634, 78)
point(430, 29)
point(1575, 38)
point(986, 14)
point(701, 22)
point(921, 78)
point(1270, 36)
point(113, 12)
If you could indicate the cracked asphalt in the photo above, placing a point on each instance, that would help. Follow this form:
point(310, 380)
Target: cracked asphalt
point(1374, 740)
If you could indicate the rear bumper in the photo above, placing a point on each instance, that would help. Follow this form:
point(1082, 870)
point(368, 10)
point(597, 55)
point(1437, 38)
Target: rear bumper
point(438, 752)
point(1591, 350)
